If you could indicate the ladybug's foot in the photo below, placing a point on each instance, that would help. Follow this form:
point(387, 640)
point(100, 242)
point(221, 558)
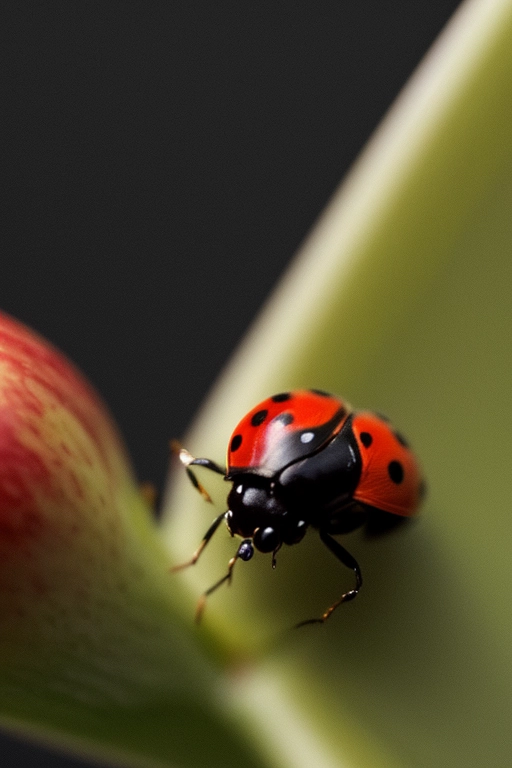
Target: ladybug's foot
point(180, 452)
point(192, 561)
point(322, 619)
point(309, 621)
point(186, 459)
point(350, 562)
point(206, 538)
point(202, 600)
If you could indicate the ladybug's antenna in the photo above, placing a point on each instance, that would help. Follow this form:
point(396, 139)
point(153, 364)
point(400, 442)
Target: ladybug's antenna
point(244, 552)
point(274, 553)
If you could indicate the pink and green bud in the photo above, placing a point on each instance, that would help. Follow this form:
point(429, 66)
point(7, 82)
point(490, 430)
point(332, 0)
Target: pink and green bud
point(70, 509)
point(92, 651)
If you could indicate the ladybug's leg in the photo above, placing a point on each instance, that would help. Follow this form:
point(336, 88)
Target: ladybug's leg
point(347, 559)
point(204, 541)
point(187, 459)
point(244, 552)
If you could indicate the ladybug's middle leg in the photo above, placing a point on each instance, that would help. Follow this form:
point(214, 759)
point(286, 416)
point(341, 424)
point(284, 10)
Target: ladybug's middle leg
point(347, 559)
point(204, 541)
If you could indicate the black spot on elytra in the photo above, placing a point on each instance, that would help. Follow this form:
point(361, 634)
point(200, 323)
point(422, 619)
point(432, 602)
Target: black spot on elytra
point(285, 418)
point(282, 397)
point(259, 417)
point(395, 472)
point(366, 439)
point(236, 442)
point(320, 392)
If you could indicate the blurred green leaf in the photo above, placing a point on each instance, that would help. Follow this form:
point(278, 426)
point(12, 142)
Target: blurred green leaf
point(93, 654)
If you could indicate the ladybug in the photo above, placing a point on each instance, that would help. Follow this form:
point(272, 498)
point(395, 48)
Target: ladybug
point(305, 458)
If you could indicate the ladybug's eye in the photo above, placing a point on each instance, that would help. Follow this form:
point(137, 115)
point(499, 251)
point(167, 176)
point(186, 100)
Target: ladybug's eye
point(266, 539)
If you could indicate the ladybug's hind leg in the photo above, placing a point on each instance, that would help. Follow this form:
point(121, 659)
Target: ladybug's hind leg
point(187, 459)
point(347, 559)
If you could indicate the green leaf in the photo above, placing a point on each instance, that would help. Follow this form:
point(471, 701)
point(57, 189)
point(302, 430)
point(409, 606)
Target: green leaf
point(400, 300)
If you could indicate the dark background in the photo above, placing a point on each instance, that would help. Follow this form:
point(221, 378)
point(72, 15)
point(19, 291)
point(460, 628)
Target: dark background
point(163, 162)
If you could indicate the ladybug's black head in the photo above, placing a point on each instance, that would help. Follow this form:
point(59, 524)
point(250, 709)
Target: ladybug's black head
point(256, 513)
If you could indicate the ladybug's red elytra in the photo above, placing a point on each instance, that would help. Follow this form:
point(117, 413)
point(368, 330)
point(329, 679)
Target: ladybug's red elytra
point(305, 458)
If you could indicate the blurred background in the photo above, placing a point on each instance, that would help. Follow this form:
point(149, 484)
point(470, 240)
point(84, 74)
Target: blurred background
point(163, 162)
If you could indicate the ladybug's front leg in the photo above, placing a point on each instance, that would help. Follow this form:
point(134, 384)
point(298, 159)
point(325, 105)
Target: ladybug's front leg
point(347, 559)
point(187, 459)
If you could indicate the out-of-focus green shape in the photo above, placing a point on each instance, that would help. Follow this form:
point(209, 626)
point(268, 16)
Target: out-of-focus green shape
point(93, 652)
point(401, 301)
